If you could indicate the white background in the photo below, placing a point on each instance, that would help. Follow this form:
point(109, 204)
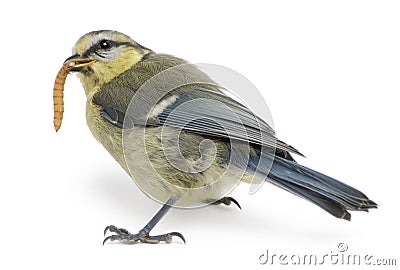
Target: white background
point(329, 71)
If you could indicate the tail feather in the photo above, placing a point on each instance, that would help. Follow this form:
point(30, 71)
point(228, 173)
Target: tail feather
point(327, 204)
point(328, 193)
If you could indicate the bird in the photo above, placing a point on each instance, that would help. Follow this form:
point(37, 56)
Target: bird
point(182, 139)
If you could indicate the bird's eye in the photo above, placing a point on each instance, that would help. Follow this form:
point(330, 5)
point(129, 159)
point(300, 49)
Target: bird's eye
point(105, 44)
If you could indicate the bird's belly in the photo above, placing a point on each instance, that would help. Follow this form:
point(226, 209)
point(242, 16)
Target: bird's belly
point(109, 136)
point(160, 168)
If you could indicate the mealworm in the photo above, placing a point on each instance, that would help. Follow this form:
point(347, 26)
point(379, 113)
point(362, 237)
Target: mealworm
point(58, 93)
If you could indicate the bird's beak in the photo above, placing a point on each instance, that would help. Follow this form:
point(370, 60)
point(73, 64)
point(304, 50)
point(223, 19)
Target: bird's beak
point(77, 63)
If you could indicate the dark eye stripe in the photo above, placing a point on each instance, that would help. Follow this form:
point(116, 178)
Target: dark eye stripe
point(96, 48)
point(99, 55)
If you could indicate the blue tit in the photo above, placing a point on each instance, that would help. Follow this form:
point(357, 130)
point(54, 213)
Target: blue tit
point(188, 147)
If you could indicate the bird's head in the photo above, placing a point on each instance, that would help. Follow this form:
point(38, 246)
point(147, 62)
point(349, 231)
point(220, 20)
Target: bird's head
point(100, 56)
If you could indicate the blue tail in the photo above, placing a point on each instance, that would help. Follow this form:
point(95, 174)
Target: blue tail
point(330, 194)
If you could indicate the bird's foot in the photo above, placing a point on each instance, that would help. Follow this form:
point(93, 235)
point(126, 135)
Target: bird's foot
point(142, 236)
point(227, 201)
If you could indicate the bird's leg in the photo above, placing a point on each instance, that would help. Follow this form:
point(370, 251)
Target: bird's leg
point(226, 201)
point(144, 234)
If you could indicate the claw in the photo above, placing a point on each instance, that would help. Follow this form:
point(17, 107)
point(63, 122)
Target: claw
point(106, 230)
point(227, 201)
point(235, 202)
point(106, 239)
point(178, 235)
point(116, 230)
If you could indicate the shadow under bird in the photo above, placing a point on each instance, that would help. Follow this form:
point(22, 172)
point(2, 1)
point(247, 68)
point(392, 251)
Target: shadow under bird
point(112, 68)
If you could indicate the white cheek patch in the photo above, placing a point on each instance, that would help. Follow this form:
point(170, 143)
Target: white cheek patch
point(160, 107)
point(111, 55)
